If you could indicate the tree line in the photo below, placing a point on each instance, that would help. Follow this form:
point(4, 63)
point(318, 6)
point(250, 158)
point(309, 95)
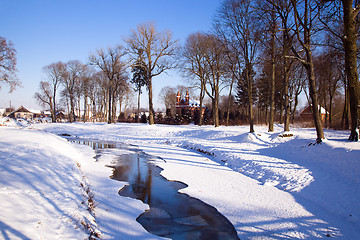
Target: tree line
point(273, 50)
point(263, 52)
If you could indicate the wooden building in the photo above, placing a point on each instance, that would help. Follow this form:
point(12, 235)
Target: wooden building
point(306, 114)
point(22, 112)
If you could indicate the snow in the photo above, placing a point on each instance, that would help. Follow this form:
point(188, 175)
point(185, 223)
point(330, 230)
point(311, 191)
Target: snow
point(40, 191)
point(269, 185)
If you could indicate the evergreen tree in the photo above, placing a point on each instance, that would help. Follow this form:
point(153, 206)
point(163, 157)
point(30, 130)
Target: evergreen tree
point(241, 97)
point(143, 118)
point(139, 79)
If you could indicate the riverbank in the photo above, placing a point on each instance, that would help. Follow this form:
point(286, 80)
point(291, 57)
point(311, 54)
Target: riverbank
point(267, 185)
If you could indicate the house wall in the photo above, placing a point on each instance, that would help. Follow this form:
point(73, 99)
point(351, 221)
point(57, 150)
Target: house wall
point(309, 117)
point(25, 115)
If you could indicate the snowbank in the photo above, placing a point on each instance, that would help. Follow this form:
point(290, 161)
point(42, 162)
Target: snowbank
point(270, 186)
point(52, 189)
point(267, 185)
point(40, 192)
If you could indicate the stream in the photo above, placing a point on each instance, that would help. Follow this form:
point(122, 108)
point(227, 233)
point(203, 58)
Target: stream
point(172, 214)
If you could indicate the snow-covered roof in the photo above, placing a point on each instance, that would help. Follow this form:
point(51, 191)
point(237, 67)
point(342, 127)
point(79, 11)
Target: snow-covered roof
point(323, 110)
point(36, 111)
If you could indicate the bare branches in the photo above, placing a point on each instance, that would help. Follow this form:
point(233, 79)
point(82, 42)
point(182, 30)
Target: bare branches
point(8, 64)
point(155, 49)
point(111, 65)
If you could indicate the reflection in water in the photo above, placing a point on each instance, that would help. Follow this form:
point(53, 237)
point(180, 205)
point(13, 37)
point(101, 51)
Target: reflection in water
point(94, 144)
point(172, 214)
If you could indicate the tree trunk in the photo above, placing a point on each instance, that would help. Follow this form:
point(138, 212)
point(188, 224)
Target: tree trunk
point(151, 109)
point(345, 115)
point(286, 105)
point(286, 95)
point(272, 83)
point(85, 108)
point(138, 110)
point(94, 113)
point(229, 103)
point(251, 115)
point(294, 109)
point(281, 107)
point(349, 41)
point(109, 106)
point(314, 100)
point(53, 112)
point(113, 110)
point(72, 109)
point(330, 111)
point(79, 105)
point(272, 98)
point(216, 108)
point(201, 102)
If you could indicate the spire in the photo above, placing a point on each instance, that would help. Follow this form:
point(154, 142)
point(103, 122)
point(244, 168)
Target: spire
point(178, 98)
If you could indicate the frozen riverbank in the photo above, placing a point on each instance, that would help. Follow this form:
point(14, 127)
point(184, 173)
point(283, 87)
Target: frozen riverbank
point(267, 186)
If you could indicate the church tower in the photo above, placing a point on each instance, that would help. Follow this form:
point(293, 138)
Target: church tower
point(178, 99)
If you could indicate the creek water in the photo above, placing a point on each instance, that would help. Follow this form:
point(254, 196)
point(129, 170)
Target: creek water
point(172, 214)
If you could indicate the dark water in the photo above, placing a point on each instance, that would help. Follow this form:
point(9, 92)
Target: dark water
point(172, 214)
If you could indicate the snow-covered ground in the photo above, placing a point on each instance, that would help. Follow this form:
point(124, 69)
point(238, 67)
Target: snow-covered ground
point(268, 186)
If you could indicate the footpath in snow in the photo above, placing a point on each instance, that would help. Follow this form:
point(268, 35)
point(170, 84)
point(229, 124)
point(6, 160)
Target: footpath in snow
point(269, 187)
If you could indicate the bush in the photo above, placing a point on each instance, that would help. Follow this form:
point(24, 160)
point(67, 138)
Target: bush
point(143, 118)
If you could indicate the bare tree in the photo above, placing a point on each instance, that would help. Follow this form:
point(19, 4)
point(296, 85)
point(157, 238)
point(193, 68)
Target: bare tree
point(156, 49)
point(236, 23)
point(305, 14)
point(110, 63)
point(53, 73)
point(351, 10)
point(284, 10)
point(125, 95)
point(342, 23)
point(216, 60)
point(85, 88)
point(71, 74)
point(297, 77)
point(45, 96)
point(194, 65)
point(267, 12)
point(98, 95)
point(329, 75)
point(167, 96)
point(8, 64)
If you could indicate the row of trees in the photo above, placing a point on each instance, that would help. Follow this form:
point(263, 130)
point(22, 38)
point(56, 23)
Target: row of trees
point(104, 80)
point(262, 49)
point(276, 38)
point(98, 91)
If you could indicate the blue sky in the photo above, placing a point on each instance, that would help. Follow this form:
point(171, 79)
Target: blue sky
point(47, 31)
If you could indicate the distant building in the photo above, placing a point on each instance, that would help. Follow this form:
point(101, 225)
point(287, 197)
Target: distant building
point(22, 112)
point(36, 113)
point(187, 104)
point(61, 117)
point(306, 114)
point(8, 111)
